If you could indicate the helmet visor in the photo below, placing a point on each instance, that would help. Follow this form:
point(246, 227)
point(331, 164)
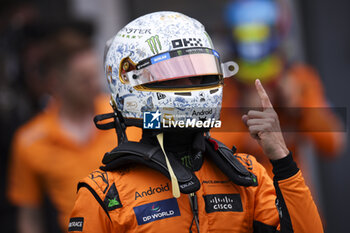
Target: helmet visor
point(176, 64)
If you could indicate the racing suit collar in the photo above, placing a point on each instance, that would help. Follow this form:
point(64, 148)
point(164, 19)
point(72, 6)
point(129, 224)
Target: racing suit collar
point(187, 146)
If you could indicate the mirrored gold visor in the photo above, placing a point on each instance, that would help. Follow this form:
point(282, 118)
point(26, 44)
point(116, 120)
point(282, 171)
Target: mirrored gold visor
point(176, 64)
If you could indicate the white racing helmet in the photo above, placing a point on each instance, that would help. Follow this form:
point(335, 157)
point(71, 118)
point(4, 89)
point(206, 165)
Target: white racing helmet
point(165, 62)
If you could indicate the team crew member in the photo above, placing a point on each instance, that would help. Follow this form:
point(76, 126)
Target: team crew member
point(180, 179)
point(58, 147)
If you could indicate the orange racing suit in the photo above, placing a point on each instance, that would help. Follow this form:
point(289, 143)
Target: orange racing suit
point(139, 199)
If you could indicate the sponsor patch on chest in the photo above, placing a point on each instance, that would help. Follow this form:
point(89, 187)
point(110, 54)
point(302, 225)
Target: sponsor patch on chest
point(152, 190)
point(223, 203)
point(156, 211)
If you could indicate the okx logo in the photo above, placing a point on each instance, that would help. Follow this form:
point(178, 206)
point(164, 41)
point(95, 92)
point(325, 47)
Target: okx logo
point(187, 42)
point(156, 211)
point(154, 44)
point(223, 203)
point(151, 120)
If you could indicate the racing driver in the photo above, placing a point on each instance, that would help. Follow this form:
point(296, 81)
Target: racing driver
point(162, 67)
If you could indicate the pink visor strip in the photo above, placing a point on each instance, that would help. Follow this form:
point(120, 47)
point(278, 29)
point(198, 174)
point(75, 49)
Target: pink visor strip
point(178, 67)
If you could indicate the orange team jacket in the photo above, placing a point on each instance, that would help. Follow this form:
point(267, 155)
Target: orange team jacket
point(139, 199)
point(45, 160)
point(309, 95)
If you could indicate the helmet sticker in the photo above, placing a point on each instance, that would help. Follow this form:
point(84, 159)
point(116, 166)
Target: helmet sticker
point(154, 44)
point(187, 42)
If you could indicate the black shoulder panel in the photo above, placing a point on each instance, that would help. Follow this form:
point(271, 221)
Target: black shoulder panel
point(229, 164)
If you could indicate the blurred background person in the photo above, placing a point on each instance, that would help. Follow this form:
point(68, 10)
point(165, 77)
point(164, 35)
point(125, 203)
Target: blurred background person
point(60, 145)
point(21, 46)
point(258, 28)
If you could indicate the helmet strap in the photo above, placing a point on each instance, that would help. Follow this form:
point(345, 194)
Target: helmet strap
point(174, 182)
point(117, 123)
point(120, 127)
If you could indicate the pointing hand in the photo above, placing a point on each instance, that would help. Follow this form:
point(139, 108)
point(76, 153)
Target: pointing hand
point(265, 128)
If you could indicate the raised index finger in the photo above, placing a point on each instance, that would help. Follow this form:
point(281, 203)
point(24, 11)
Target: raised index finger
point(264, 98)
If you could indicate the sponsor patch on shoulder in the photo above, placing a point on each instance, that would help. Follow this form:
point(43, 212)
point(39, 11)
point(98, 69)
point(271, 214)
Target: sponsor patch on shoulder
point(76, 224)
point(112, 200)
point(156, 211)
point(223, 203)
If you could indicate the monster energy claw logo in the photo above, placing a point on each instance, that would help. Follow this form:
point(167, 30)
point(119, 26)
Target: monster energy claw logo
point(186, 161)
point(154, 44)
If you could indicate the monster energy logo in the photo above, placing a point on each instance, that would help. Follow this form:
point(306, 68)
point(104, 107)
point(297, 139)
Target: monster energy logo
point(154, 44)
point(186, 161)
